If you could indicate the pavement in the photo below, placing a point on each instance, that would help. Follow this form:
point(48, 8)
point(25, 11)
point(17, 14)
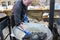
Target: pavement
point(5, 33)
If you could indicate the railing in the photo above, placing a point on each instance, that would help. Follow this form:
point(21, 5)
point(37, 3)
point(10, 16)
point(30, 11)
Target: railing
point(3, 24)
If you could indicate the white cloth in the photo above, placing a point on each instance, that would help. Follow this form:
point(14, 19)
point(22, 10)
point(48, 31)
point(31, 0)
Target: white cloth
point(33, 27)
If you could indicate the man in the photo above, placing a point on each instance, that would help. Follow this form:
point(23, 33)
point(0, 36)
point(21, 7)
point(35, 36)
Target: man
point(19, 10)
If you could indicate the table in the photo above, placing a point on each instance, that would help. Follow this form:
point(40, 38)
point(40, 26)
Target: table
point(6, 10)
point(2, 15)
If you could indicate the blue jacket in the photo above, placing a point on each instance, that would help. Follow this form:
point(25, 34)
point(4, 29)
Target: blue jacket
point(18, 11)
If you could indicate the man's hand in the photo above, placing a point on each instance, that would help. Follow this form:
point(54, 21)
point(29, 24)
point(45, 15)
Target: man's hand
point(22, 26)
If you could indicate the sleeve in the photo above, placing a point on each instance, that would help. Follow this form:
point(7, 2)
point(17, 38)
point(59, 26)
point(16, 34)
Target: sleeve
point(17, 13)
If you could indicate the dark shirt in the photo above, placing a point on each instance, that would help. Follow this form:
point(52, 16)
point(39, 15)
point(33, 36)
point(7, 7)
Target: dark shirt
point(19, 9)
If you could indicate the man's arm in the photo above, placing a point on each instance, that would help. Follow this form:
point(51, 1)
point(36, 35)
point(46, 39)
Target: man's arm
point(17, 13)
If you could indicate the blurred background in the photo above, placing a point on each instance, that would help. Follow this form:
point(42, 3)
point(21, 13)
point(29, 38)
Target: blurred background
point(38, 11)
